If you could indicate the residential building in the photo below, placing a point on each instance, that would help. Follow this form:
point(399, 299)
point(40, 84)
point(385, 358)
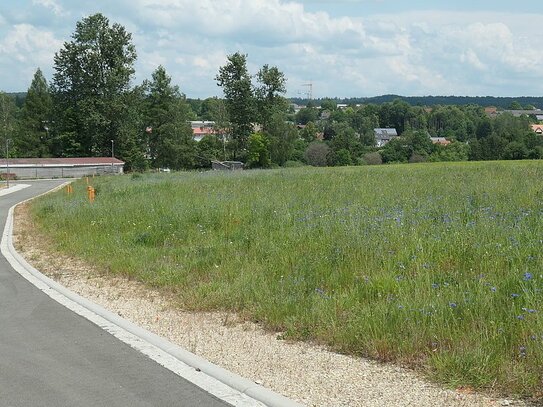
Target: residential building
point(202, 128)
point(383, 136)
point(538, 128)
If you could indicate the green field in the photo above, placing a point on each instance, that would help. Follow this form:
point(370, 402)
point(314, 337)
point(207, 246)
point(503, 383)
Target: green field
point(435, 266)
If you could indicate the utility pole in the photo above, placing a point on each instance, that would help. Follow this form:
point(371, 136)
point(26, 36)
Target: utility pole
point(112, 149)
point(7, 162)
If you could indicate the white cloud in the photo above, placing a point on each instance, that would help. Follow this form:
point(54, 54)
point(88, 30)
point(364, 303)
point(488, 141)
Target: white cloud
point(52, 5)
point(422, 52)
point(26, 43)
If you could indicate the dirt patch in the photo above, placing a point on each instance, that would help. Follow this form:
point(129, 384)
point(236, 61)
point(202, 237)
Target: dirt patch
point(309, 374)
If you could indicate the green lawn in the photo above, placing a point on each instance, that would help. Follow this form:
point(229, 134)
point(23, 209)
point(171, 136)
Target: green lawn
point(438, 266)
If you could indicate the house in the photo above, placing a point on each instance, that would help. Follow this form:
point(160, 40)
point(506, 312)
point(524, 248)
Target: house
point(538, 128)
point(440, 140)
point(537, 113)
point(202, 128)
point(26, 168)
point(491, 111)
point(383, 136)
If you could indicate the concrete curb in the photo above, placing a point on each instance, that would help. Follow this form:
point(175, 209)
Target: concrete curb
point(14, 188)
point(244, 386)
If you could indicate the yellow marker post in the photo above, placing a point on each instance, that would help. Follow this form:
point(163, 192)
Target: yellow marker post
point(90, 193)
point(69, 189)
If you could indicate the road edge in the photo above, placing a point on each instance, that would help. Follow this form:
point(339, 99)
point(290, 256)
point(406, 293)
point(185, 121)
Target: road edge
point(88, 309)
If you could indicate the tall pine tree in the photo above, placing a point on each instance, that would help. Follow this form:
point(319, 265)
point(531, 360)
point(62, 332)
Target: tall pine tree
point(35, 123)
point(170, 141)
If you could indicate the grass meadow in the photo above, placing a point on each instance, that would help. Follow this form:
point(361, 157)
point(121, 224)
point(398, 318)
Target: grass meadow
point(434, 266)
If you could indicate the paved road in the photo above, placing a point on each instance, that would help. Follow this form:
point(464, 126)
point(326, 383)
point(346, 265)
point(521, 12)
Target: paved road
point(50, 356)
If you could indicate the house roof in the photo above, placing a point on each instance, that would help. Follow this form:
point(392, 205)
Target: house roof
point(79, 161)
point(440, 140)
point(385, 132)
point(538, 128)
point(201, 123)
point(203, 131)
point(518, 113)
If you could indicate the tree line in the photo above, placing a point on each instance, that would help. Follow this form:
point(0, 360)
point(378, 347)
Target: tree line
point(92, 108)
point(522, 102)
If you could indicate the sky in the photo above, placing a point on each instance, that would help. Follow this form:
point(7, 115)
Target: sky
point(343, 48)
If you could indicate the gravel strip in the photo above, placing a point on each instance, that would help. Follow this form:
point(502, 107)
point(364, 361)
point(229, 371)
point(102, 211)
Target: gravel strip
point(306, 373)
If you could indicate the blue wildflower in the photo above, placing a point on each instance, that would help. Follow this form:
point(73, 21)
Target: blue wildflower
point(520, 317)
point(514, 295)
point(527, 276)
point(452, 304)
point(493, 289)
point(435, 285)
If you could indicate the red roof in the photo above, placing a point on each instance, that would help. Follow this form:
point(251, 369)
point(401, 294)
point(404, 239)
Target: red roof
point(203, 131)
point(63, 161)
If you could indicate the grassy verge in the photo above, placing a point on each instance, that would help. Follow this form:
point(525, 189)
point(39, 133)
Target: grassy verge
point(435, 266)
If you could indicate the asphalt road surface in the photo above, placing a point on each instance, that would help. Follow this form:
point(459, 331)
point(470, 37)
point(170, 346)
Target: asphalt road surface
point(50, 356)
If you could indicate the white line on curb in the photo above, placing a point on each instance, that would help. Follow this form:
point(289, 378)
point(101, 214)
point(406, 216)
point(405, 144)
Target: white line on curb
point(223, 384)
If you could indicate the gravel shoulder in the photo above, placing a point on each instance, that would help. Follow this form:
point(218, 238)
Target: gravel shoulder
point(303, 372)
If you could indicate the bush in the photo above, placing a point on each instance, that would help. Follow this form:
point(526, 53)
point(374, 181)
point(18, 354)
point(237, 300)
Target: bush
point(316, 154)
point(417, 158)
point(372, 158)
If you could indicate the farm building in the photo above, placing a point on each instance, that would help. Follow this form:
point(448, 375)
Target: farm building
point(26, 168)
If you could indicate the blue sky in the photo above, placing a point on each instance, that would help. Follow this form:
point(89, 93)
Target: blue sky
point(345, 48)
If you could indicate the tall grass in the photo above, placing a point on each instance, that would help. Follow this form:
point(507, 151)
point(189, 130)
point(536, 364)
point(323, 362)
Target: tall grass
point(435, 266)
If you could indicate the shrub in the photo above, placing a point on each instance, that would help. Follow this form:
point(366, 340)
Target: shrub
point(372, 158)
point(316, 154)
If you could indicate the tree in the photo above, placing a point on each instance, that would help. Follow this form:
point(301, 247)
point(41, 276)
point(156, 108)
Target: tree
point(90, 88)
point(456, 151)
point(170, 143)
point(309, 132)
point(258, 153)
point(515, 105)
point(33, 140)
point(345, 140)
point(272, 84)
point(419, 142)
point(282, 137)
point(515, 150)
point(396, 151)
point(306, 115)
point(208, 149)
point(235, 81)
point(8, 117)
point(316, 154)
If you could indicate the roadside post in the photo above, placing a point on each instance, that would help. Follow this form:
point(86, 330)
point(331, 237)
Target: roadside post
point(90, 193)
